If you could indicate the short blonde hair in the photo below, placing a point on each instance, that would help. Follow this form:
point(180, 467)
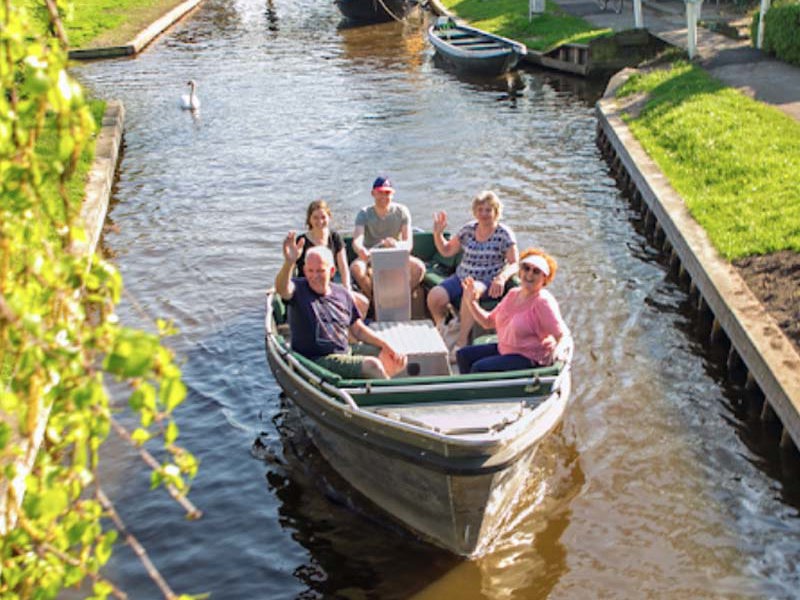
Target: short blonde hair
point(490, 198)
point(551, 262)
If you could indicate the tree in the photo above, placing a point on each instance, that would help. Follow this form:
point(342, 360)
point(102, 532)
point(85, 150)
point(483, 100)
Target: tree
point(60, 338)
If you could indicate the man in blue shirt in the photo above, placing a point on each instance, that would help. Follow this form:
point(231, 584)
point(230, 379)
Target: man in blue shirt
point(322, 314)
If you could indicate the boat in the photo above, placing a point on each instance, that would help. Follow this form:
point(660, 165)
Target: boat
point(469, 50)
point(374, 11)
point(445, 455)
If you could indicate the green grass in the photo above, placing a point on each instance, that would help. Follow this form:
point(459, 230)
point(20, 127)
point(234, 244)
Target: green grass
point(509, 18)
point(47, 148)
point(92, 23)
point(734, 161)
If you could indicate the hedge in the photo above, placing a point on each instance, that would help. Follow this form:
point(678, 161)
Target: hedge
point(781, 32)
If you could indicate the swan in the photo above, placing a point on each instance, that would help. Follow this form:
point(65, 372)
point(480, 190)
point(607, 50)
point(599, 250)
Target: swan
point(190, 101)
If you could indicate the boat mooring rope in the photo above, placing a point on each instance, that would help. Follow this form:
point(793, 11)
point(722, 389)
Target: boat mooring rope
point(391, 14)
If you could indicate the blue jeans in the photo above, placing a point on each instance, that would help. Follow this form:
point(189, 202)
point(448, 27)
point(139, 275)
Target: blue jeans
point(484, 358)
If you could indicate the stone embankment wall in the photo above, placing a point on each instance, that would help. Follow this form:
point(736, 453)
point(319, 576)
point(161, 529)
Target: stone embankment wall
point(757, 354)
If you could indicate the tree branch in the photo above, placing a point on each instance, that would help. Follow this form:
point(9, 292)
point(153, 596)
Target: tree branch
point(137, 548)
point(55, 20)
point(192, 512)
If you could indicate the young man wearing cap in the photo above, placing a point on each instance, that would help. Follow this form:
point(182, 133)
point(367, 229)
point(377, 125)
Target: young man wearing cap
point(385, 224)
point(322, 314)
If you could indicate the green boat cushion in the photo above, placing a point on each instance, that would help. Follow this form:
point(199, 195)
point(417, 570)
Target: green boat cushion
point(486, 338)
point(359, 389)
point(279, 313)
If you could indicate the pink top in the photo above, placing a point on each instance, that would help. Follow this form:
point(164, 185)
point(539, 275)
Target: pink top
point(521, 327)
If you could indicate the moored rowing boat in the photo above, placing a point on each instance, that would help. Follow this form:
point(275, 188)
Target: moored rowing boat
point(470, 50)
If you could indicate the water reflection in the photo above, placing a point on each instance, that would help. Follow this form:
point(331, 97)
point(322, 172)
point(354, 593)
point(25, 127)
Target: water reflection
point(272, 16)
point(385, 45)
point(530, 558)
point(352, 545)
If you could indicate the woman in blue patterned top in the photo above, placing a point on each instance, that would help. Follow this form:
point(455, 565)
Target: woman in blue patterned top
point(490, 258)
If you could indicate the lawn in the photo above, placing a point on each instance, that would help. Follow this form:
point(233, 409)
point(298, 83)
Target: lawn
point(93, 23)
point(509, 18)
point(735, 161)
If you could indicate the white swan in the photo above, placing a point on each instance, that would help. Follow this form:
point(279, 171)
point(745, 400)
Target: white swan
point(190, 101)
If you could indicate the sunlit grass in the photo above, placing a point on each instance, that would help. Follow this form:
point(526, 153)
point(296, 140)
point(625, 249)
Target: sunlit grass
point(509, 18)
point(47, 149)
point(106, 22)
point(735, 161)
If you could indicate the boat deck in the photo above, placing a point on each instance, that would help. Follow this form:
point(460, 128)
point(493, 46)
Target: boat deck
point(467, 420)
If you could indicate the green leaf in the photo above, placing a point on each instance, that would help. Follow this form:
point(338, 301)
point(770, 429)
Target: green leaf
point(132, 355)
point(5, 435)
point(140, 436)
point(171, 433)
point(172, 393)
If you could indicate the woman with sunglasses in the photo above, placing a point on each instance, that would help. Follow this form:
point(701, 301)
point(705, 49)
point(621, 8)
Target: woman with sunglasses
point(528, 321)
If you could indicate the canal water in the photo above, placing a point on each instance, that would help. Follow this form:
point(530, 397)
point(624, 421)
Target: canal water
point(653, 487)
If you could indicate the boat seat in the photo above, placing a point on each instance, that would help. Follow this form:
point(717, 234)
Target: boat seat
point(406, 390)
point(472, 44)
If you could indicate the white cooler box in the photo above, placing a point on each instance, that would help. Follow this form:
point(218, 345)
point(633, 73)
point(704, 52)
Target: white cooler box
point(420, 342)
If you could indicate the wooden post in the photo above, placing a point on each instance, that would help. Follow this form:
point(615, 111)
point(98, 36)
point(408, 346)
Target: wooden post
point(787, 443)
point(768, 413)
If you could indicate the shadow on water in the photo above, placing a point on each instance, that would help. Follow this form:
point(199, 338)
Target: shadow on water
point(740, 407)
point(384, 45)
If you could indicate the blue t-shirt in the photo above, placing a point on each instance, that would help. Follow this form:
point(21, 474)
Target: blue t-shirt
point(320, 324)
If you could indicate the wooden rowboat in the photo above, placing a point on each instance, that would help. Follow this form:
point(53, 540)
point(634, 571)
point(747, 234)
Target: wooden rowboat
point(470, 50)
point(446, 455)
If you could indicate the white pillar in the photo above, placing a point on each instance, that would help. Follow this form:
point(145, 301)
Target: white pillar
point(692, 13)
point(535, 7)
point(760, 37)
point(638, 18)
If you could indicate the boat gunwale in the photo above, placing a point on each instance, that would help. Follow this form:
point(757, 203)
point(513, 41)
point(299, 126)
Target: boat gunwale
point(486, 457)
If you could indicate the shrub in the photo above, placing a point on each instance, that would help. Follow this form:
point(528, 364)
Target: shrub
point(781, 32)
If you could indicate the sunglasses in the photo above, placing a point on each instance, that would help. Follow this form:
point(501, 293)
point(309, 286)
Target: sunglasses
point(525, 267)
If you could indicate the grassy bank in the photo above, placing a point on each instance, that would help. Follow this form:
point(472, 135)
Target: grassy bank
point(509, 18)
point(93, 23)
point(734, 160)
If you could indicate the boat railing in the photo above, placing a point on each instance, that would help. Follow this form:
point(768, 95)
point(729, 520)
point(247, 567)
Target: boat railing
point(451, 383)
point(563, 353)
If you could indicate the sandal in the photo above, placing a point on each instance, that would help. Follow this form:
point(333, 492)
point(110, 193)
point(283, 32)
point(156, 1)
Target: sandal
point(452, 356)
